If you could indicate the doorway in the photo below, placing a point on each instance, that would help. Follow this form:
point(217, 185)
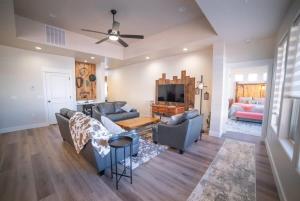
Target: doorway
point(247, 97)
point(57, 93)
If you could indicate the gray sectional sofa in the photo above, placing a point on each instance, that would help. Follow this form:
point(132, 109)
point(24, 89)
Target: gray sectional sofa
point(88, 152)
point(179, 133)
point(113, 111)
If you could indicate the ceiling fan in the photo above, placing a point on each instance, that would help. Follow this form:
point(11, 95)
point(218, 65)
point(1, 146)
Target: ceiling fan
point(114, 33)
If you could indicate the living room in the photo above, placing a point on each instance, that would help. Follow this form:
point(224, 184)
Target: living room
point(130, 100)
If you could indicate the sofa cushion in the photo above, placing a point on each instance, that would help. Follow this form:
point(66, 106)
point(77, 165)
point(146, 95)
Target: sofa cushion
point(123, 116)
point(107, 108)
point(64, 112)
point(70, 113)
point(118, 106)
point(112, 127)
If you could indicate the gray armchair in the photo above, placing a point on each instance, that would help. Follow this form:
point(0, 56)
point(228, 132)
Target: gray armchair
point(181, 135)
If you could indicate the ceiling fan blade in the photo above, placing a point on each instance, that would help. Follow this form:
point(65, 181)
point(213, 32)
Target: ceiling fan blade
point(88, 30)
point(100, 41)
point(122, 42)
point(132, 36)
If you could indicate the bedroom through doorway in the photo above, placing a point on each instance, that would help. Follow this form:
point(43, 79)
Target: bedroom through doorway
point(246, 92)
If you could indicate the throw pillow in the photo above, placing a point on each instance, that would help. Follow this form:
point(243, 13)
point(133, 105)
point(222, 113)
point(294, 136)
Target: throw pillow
point(118, 106)
point(127, 108)
point(111, 126)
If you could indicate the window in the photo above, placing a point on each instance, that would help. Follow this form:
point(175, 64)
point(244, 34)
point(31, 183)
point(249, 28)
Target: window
point(239, 77)
point(278, 80)
point(293, 129)
point(292, 83)
point(286, 95)
point(252, 77)
point(292, 80)
point(265, 77)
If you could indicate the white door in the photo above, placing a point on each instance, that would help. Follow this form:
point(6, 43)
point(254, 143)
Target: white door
point(58, 93)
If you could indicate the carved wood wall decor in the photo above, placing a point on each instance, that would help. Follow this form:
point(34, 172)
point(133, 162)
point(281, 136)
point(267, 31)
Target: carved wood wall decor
point(254, 90)
point(189, 89)
point(85, 87)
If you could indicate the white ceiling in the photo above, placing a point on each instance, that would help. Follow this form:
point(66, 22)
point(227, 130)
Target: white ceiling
point(146, 17)
point(237, 20)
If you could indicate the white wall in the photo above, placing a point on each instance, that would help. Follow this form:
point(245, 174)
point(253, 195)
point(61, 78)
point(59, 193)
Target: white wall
point(136, 83)
point(218, 105)
point(245, 69)
point(100, 81)
point(255, 49)
point(21, 85)
point(286, 176)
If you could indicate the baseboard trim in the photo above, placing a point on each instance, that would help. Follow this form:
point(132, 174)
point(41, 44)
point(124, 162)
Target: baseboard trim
point(22, 127)
point(215, 133)
point(275, 173)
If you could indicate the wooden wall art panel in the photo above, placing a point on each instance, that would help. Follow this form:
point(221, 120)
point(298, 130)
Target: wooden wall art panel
point(189, 89)
point(85, 74)
point(254, 90)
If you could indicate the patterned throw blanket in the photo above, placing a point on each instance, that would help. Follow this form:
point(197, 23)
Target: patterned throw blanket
point(84, 128)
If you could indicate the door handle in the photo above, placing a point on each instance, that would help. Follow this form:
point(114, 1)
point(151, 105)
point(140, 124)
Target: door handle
point(49, 101)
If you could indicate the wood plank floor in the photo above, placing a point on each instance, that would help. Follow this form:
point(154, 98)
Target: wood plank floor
point(37, 165)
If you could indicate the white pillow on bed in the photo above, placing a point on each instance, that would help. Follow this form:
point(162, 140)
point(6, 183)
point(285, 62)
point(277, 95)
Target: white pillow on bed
point(245, 100)
point(259, 101)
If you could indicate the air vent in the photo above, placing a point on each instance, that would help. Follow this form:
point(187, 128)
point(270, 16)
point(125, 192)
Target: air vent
point(55, 35)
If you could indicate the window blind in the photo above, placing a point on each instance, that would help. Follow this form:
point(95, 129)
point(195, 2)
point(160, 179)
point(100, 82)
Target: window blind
point(292, 79)
point(279, 78)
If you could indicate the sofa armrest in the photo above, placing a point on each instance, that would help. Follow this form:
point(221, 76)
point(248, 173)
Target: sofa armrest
point(96, 113)
point(63, 125)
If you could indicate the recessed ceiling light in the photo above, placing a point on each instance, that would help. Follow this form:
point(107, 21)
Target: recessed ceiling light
point(38, 48)
point(147, 58)
point(185, 49)
point(92, 57)
point(85, 61)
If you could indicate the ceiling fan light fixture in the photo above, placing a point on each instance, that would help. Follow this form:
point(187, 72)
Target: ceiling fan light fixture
point(113, 37)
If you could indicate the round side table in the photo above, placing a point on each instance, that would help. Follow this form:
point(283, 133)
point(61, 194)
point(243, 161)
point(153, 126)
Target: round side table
point(120, 142)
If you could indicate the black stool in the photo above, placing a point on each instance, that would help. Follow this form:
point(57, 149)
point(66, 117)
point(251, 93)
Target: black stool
point(119, 142)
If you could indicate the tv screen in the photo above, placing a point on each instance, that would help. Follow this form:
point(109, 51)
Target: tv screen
point(171, 93)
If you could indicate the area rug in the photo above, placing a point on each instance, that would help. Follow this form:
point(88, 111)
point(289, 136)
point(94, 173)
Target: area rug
point(231, 176)
point(243, 127)
point(147, 151)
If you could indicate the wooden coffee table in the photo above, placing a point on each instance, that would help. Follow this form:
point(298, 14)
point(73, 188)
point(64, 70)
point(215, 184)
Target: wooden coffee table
point(138, 122)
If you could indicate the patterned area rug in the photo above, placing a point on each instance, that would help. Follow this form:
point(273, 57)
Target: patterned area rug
point(147, 149)
point(231, 176)
point(243, 127)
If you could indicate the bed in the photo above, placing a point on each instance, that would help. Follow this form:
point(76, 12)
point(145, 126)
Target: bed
point(249, 102)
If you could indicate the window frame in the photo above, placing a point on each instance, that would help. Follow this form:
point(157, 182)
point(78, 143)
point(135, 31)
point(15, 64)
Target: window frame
point(282, 41)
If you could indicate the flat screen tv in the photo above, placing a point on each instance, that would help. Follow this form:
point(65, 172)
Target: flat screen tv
point(171, 93)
